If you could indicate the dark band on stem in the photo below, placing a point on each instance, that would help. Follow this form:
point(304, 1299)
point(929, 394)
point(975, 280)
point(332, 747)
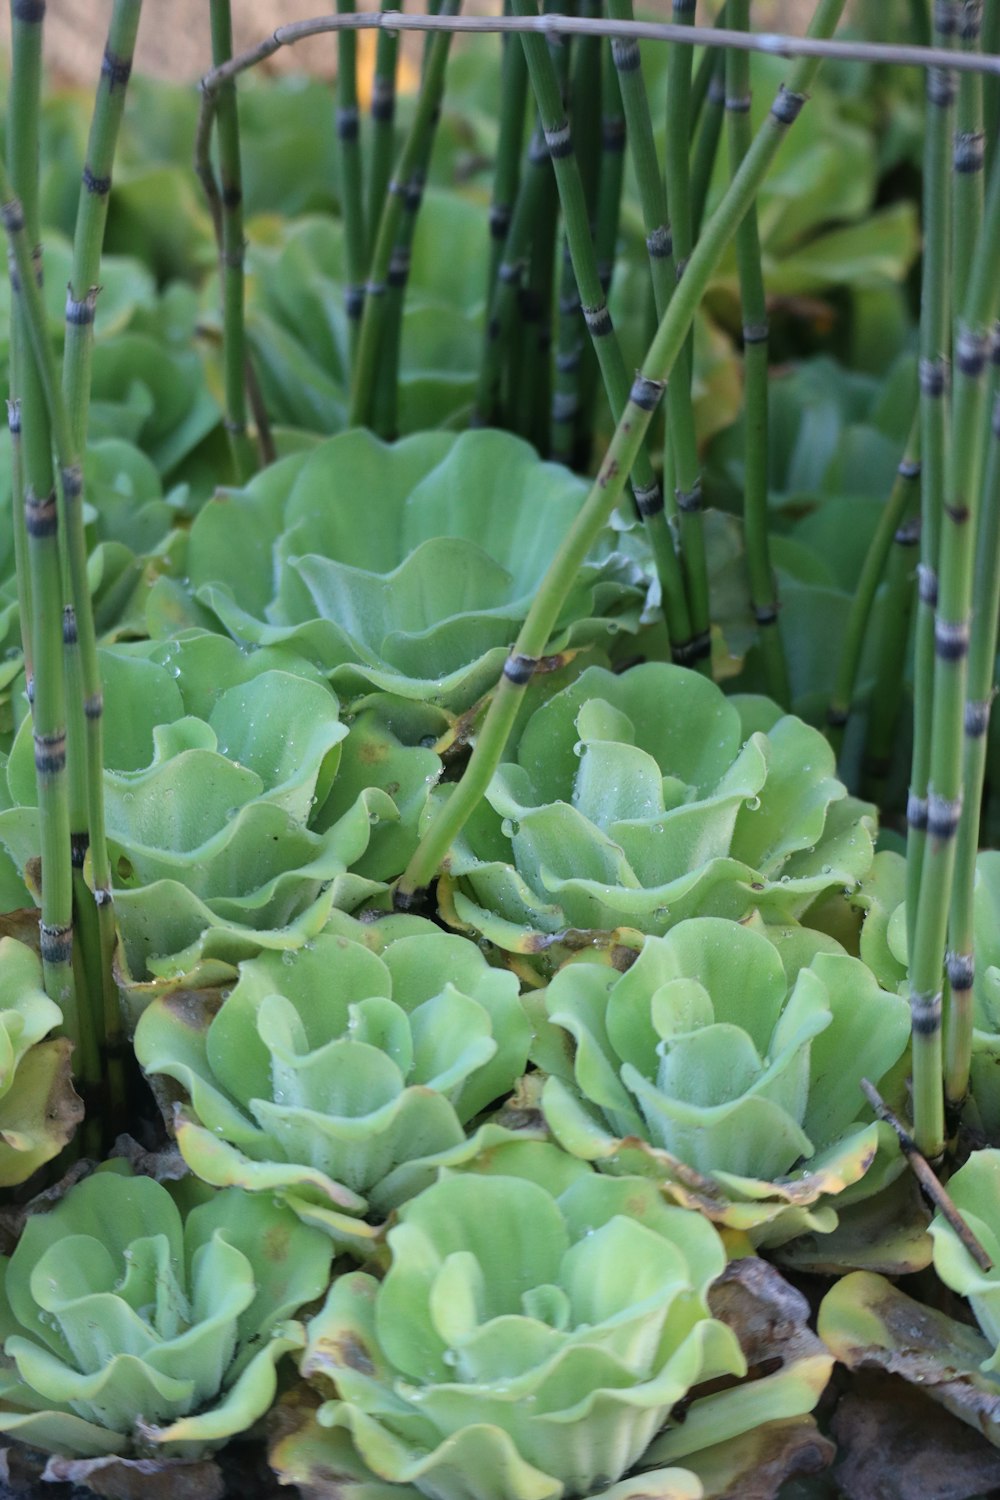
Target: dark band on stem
point(916, 812)
point(70, 635)
point(374, 288)
point(837, 717)
point(354, 301)
point(116, 69)
point(625, 54)
point(80, 311)
point(908, 535)
point(660, 242)
point(565, 406)
point(510, 272)
point(971, 349)
point(79, 843)
point(55, 944)
point(559, 140)
point(976, 719)
point(909, 468)
point(700, 645)
point(499, 220)
point(102, 896)
point(738, 104)
point(568, 362)
point(613, 133)
point(41, 517)
point(951, 639)
point(925, 1014)
point(648, 500)
point(99, 186)
point(232, 195)
point(14, 418)
point(598, 320)
point(766, 614)
point(93, 707)
point(934, 376)
point(943, 816)
point(50, 753)
point(646, 393)
point(519, 669)
point(689, 501)
point(413, 195)
point(756, 333)
point(995, 418)
point(31, 12)
point(941, 87)
point(787, 106)
point(399, 266)
point(961, 970)
point(12, 216)
point(347, 123)
point(927, 584)
point(970, 151)
point(71, 479)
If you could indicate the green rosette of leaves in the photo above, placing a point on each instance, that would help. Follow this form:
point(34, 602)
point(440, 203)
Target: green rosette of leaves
point(727, 1068)
point(131, 1327)
point(341, 1077)
point(241, 807)
point(640, 799)
point(975, 1192)
point(39, 1109)
point(529, 1340)
point(406, 568)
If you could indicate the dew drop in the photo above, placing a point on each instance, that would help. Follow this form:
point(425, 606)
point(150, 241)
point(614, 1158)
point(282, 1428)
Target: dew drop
point(579, 748)
point(752, 804)
point(509, 827)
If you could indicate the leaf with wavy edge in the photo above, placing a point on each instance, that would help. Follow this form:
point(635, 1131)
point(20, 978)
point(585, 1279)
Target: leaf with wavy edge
point(338, 1073)
point(631, 803)
point(632, 1092)
point(117, 1312)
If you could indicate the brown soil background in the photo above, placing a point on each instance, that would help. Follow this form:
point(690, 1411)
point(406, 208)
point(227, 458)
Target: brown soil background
point(174, 34)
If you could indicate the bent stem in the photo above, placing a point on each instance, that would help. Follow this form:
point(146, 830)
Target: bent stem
point(606, 491)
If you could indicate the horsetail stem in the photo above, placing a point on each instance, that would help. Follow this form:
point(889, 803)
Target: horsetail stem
point(960, 963)
point(968, 152)
point(648, 495)
point(227, 213)
point(415, 150)
point(951, 646)
point(383, 113)
point(891, 517)
point(935, 320)
point(515, 256)
point(17, 519)
point(352, 206)
point(882, 729)
point(763, 584)
point(47, 686)
point(706, 146)
point(646, 391)
point(510, 142)
point(92, 212)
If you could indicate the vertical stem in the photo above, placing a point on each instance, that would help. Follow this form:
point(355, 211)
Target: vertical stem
point(383, 111)
point(890, 666)
point(232, 249)
point(41, 521)
point(92, 212)
point(510, 141)
point(351, 175)
point(895, 509)
point(991, 85)
point(707, 142)
point(626, 445)
point(763, 584)
point(415, 150)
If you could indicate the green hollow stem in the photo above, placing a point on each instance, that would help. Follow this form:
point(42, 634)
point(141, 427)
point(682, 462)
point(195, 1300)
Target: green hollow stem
point(701, 81)
point(960, 963)
point(648, 495)
point(901, 499)
point(383, 113)
point(228, 215)
point(882, 728)
point(706, 146)
point(415, 150)
point(680, 409)
point(935, 345)
point(951, 648)
point(991, 85)
point(968, 153)
point(21, 569)
point(606, 491)
point(756, 333)
point(352, 203)
point(530, 398)
point(48, 688)
point(510, 143)
point(45, 522)
point(535, 185)
point(92, 212)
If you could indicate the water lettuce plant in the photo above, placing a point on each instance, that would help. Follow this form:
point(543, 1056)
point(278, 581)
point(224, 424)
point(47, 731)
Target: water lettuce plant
point(339, 1076)
point(424, 598)
point(530, 1337)
point(239, 803)
point(639, 799)
point(725, 1064)
point(133, 1327)
point(39, 1109)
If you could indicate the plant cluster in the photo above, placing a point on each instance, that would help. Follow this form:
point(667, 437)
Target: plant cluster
point(481, 884)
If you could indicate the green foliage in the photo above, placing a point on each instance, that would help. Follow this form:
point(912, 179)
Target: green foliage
point(405, 568)
point(39, 1109)
point(341, 1075)
point(725, 1063)
point(640, 799)
point(131, 1326)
